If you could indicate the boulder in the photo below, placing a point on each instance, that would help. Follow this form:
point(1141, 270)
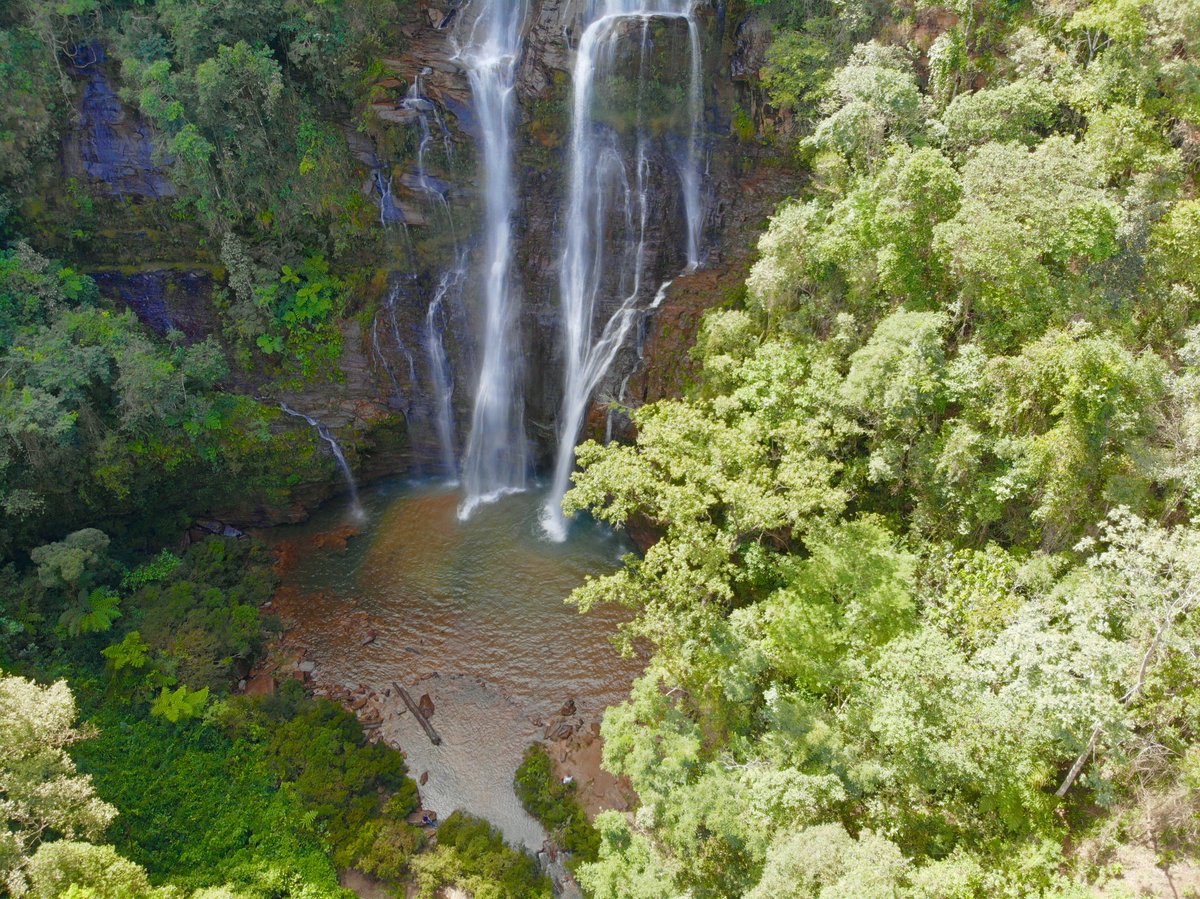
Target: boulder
point(260, 685)
point(425, 704)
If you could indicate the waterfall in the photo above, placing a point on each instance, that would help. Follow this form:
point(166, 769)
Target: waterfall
point(335, 447)
point(495, 460)
point(639, 347)
point(689, 170)
point(389, 212)
point(606, 198)
point(422, 107)
point(404, 400)
point(439, 365)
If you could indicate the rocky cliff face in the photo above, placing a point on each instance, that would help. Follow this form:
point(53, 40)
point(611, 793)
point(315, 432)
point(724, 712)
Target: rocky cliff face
point(417, 161)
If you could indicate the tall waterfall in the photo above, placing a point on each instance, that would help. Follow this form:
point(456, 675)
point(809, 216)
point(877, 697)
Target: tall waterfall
point(610, 206)
point(495, 459)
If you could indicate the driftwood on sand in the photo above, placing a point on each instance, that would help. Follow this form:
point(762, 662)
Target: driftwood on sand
point(419, 715)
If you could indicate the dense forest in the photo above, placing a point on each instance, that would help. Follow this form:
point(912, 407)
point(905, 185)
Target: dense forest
point(918, 584)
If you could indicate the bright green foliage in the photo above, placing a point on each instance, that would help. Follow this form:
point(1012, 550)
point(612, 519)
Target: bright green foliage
point(95, 614)
point(628, 867)
point(1176, 245)
point(851, 595)
point(554, 805)
point(912, 633)
point(159, 568)
point(303, 308)
point(98, 872)
point(872, 248)
point(1023, 111)
point(180, 704)
point(920, 591)
point(33, 290)
point(826, 861)
point(796, 70)
point(43, 795)
point(1028, 221)
point(263, 797)
point(874, 102)
point(471, 854)
point(897, 385)
point(1083, 407)
point(393, 844)
point(131, 653)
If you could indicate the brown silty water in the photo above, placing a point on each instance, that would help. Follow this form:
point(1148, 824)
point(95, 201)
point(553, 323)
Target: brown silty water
point(474, 614)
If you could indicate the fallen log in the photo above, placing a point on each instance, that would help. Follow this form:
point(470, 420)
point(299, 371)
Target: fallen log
point(412, 707)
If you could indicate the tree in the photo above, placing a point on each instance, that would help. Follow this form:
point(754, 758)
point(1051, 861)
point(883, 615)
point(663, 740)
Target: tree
point(874, 101)
point(1025, 110)
point(1079, 406)
point(825, 862)
point(1148, 578)
point(897, 384)
point(236, 89)
point(42, 796)
point(72, 563)
point(97, 872)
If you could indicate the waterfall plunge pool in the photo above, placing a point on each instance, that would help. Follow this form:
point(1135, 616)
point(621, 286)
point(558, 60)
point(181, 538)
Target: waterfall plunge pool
point(471, 613)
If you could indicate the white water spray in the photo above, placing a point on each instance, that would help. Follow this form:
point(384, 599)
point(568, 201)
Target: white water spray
point(601, 192)
point(494, 463)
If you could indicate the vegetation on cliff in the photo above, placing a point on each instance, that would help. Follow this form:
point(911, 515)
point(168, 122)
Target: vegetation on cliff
point(147, 777)
point(921, 595)
point(922, 592)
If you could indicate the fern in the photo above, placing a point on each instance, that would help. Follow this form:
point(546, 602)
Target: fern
point(179, 705)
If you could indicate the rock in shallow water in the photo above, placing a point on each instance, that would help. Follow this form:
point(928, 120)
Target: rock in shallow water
point(425, 704)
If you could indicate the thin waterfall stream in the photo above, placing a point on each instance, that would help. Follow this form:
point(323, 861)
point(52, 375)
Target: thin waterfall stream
point(450, 284)
point(324, 433)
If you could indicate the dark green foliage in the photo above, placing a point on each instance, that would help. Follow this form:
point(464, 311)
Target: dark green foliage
point(266, 794)
point(391, 842)
point(554, 805)
point(347, 784)
point(202, 620)
point(240, 89)
point(200, 808)
point(32, 106)
point(102, 425)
